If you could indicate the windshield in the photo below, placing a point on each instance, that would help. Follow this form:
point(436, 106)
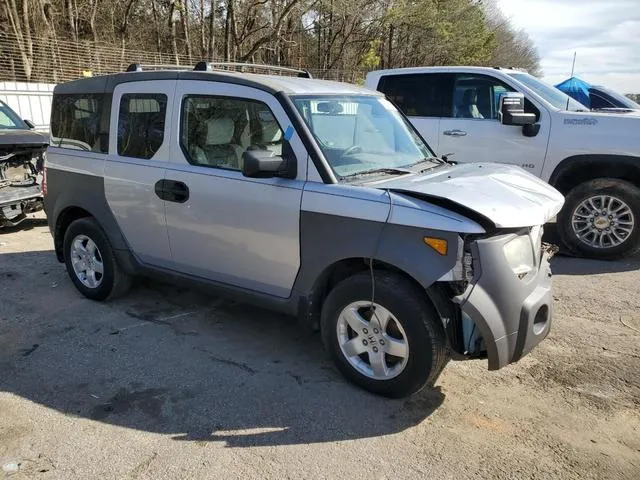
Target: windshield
point(623, 100)
point(550, 93)
point(358, 134)
point(9, 119)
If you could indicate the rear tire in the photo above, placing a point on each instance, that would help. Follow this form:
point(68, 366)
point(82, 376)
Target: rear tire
point(413, 322)
point(91, 263)
point(582, 214)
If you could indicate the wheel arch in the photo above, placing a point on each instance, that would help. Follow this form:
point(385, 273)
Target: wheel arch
point(107, 223)
point(577, 169)
point(65, 218)
point(311, 304)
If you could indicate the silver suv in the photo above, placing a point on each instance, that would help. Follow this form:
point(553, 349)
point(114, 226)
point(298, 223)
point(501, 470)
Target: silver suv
point(313, 198)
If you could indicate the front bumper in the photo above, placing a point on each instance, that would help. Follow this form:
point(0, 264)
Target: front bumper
point(16, 202)
point(513, 315)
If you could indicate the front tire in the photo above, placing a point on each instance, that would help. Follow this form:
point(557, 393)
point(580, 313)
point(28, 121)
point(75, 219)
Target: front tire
point(91, 263)
point(601, 219)
point(394, 350)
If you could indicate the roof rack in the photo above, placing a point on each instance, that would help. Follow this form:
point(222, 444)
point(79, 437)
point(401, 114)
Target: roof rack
point(226, 66)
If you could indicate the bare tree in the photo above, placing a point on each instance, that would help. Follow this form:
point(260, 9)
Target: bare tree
point(20, 23)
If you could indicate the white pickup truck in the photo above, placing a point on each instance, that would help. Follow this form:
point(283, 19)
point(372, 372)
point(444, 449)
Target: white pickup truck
point(593, 158)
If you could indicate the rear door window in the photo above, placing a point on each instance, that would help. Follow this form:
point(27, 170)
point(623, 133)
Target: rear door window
point(76, 122)
point(419, 95)
point(141, 124)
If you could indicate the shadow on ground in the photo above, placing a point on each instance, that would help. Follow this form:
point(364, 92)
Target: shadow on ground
point(177, 362)
point(28, 224)
point(566, 264)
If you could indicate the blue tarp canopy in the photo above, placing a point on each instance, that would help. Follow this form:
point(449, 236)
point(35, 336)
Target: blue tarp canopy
point(577, 89)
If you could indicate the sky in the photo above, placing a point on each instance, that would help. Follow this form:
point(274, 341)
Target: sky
point(604, 33)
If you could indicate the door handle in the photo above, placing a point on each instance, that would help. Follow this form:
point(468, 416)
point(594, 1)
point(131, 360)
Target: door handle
point(455, 133)
point(172, 191)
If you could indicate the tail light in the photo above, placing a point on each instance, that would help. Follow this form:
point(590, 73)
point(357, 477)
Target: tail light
point(44, 176)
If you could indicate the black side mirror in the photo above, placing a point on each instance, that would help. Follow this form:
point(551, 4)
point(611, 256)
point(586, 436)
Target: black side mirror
point(531, 130)
point(30, 124)
point(512, 110)
point(260, 164)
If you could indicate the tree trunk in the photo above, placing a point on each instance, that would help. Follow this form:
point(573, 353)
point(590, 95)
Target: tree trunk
point(203, 36)
point(390, 48)
point(156, 26)
point(327, 58)
point(172, 27)
point(319, 45)
point(228, 28)
point(92, 20)
point(71, 19)
point(212, 37)
point(21, 27)
point(123, 29)
point(184, 20)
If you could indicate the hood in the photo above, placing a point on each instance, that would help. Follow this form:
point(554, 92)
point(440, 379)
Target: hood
point(506, 195)
point(17, 137)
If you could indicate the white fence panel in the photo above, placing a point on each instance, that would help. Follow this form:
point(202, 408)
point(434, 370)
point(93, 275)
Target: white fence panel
point(31, 101)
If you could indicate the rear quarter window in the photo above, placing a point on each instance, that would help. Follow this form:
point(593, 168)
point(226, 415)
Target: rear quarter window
point(419, 95)
point(76, 122)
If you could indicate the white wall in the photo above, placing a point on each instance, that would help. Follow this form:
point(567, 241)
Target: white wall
point(31, 101)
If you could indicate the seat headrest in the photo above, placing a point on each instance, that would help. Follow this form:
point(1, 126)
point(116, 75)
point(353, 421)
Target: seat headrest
point(469, 97)
point(271, 132)
point(219, 131)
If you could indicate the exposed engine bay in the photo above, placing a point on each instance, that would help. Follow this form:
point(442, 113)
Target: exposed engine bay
point(21, 173)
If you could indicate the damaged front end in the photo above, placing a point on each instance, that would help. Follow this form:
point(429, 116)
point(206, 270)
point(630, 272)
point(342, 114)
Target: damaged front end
point(21, 176)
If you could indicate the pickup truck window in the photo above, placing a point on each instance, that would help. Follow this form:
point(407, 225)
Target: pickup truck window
point(419, 95)
point(477, 96)
point(362, 133)
point(551, 94)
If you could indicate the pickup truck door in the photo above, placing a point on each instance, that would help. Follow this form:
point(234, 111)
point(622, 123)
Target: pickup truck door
point(472, 132)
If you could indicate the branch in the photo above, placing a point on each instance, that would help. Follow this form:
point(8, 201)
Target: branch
point(271, 35)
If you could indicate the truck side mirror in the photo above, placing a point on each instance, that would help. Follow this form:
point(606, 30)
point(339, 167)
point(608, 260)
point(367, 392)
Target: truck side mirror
point(511, 111)
point(30, 124)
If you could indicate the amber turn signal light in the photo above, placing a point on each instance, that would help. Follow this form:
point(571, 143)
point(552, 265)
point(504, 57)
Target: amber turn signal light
point(438, 244)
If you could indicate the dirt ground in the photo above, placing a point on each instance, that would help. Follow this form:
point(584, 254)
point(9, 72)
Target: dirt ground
point(171, 383)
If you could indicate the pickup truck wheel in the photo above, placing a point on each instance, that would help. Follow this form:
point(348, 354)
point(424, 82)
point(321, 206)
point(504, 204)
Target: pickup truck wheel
point(393, 349)
point(90, 262)
point(601, 219)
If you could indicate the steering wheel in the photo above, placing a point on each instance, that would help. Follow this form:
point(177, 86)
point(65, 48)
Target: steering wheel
point(352, 149)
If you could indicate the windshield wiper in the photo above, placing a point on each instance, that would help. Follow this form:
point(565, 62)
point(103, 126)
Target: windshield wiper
point(435, 162)
point(390, 171)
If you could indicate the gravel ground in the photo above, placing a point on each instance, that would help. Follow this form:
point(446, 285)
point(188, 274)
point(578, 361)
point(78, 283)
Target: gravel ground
point(171, 383)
